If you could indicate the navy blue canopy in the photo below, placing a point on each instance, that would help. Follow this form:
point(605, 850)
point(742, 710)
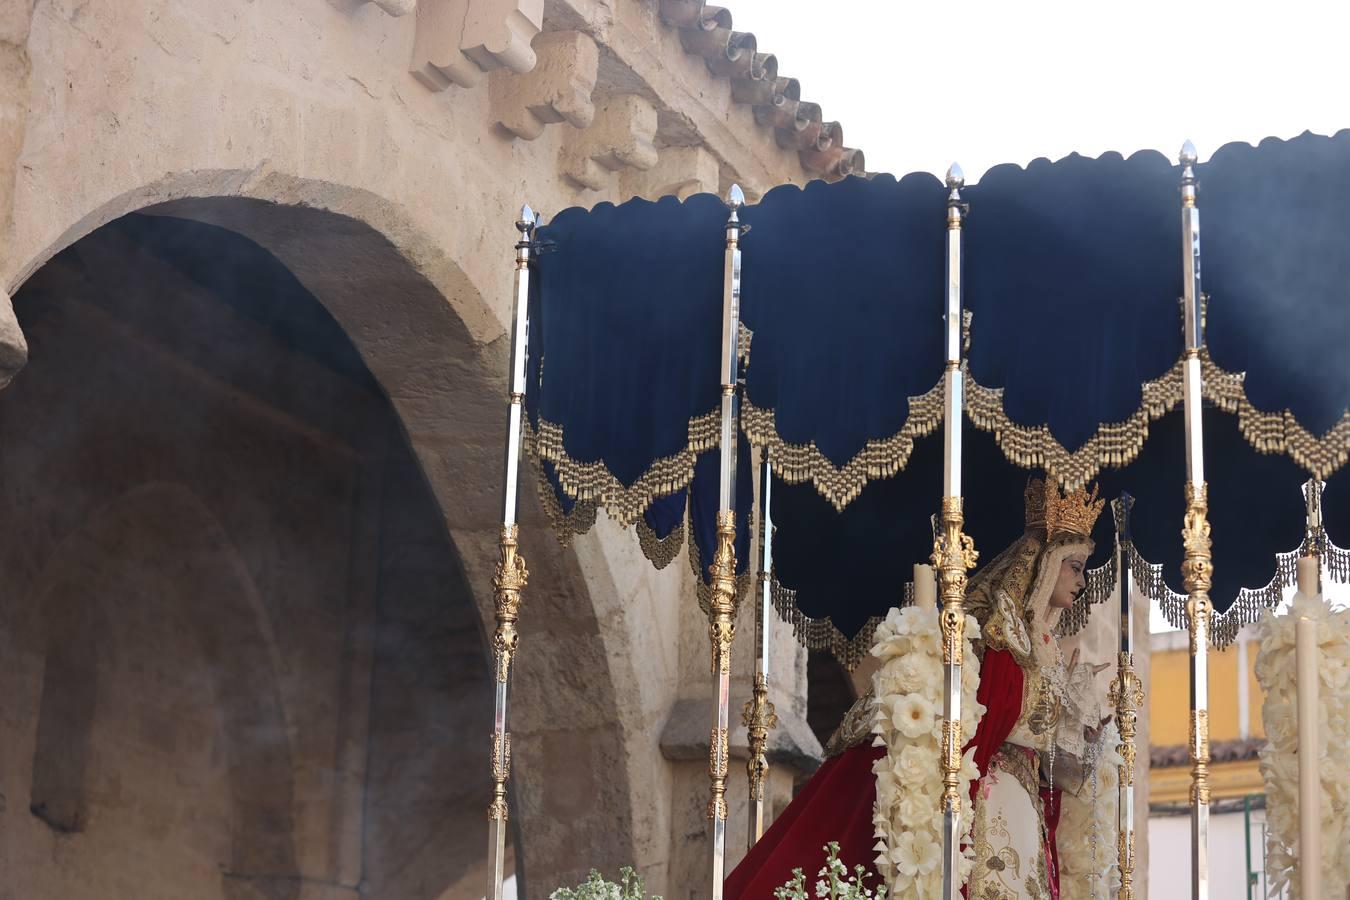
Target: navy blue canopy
point(1072, 274)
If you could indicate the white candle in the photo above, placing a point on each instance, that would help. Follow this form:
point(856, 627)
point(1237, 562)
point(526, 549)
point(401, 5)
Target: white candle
point(1309, 764)
point(925, 587)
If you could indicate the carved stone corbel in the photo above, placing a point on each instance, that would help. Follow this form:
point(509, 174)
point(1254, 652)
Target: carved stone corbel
point(622, 136)
point(679, 172)
point(558, 89)
point(458, 40)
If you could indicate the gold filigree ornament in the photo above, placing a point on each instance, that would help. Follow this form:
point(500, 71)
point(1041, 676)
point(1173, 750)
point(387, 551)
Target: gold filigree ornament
point(953, 556)
point(718, 752)
point(509, 580)
point(1197, 566)
point(501, 771)
point(724, 606)
point(745, 582)
point(1199, 756)
point(1125, 853)
point(759, 718)
point(1127, 695)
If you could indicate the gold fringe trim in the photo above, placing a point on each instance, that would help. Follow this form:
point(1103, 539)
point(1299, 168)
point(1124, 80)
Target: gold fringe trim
point(1114, 444)
point(565, 526)
point(822, 634)
point(661, 552)
point(879, 458)
point(593, 482)
point(1117, 444)
point(1249, 603)
point(1276, 432)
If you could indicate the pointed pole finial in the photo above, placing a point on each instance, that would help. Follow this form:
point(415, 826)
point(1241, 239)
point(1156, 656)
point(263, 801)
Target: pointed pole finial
point(1188, 156)
point(956, 179)
point(735, 197)
point(528, 219)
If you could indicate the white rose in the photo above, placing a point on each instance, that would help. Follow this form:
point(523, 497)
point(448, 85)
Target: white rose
point(915, 672)
point(915, 765)
point(913, 716)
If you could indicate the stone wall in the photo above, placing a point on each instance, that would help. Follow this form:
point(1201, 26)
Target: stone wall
point(380, 157)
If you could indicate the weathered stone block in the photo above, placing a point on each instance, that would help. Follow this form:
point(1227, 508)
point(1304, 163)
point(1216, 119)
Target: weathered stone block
point(679, 172)
point(458, 40)
point(622, 136)
point(557, 89)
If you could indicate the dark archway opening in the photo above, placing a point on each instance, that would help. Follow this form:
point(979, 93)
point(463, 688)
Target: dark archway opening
point(252, 660)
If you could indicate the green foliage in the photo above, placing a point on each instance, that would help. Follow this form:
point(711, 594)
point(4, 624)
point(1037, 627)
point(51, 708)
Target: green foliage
point(595, 887)
point(834, 881)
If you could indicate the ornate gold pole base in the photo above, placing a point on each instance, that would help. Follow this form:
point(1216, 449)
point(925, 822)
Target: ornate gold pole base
point(953, 556)
point(759, 717)
point(1127, 693)
point(1197, 574)
point(507, 584)
point(721, 632)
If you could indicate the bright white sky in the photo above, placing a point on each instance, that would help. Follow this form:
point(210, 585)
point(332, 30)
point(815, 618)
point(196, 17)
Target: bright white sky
point(917, 85)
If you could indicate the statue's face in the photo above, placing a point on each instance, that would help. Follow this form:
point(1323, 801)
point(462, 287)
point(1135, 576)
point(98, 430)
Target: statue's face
point(1071, 581)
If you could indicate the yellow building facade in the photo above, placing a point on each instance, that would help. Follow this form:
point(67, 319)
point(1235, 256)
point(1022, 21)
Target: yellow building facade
point(1235, 727)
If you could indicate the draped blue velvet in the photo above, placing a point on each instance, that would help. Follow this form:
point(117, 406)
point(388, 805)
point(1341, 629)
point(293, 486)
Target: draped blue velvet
point(626, 343)
point(1275, 228)
point(703, 503)
point(850, 565)
point(1072, 273)
point(841, 285)
point(666, 513)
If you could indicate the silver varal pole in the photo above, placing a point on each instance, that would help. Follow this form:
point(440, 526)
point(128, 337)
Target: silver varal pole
point(759, 715)
point(1315, 535)
point(1197, 567)
point(953, 551)
point(510, 578)
point(1128, 695)
point(722, 611)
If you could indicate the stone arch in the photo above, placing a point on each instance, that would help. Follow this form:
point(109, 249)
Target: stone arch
point(438, 348)
point(230, 657)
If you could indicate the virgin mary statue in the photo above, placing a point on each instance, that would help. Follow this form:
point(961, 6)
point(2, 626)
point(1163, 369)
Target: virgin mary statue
point(1041, 712)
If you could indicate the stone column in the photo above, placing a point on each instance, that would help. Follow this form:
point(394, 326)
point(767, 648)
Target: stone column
point(15, 19)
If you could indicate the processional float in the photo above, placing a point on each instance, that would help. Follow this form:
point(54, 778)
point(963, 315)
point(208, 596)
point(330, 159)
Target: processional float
point(1057, 344)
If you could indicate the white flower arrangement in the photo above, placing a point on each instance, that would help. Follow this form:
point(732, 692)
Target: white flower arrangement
point(908, 688)
point(1088, 826)
point(833, 881)
point(1276, 670)
point(595, 887)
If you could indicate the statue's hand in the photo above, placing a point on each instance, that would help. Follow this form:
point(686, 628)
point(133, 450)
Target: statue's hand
point(1092, 734)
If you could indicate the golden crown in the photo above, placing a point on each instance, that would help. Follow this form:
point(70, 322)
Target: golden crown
point(1072, 513)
